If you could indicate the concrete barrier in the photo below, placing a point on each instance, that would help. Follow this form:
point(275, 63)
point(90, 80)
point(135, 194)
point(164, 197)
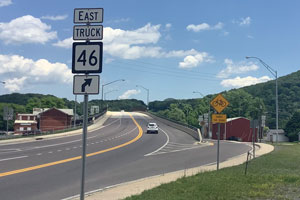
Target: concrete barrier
point(184, 128)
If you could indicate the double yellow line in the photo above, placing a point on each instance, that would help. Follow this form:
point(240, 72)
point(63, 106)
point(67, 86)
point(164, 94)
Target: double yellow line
point(77, 157)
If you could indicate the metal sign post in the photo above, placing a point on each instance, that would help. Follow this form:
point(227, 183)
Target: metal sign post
point(254, 124)
point(8, 114)
point(86, 58)
point(219, 103)
point(218, 148)
point(85, 119)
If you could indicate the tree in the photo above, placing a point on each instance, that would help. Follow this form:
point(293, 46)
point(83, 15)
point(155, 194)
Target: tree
point(292, 127)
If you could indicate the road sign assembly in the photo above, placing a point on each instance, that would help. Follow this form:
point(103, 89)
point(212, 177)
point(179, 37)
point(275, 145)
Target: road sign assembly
point(89, 32)
point(88, 15)
point(219, 103)
point(87, 57)
point(86, 84)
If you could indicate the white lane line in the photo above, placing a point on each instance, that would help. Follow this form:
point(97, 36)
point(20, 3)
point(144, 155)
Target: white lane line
point(67, 149)
point(59, 150)
point(13, 158)
point(50, 152)
point(168, 139)
point(39, 154)
point(9, 150)
point(57, 139)
point(74, 147)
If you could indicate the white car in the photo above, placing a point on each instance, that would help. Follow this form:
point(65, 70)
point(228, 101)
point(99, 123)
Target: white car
point(152, 128)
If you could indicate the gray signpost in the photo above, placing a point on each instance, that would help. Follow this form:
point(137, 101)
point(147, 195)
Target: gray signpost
point(8, 114)
point(86, 58)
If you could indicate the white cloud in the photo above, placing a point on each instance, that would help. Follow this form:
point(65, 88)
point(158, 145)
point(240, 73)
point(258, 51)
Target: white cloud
point(149, 34)
point(141, 43)
point(204, 27)
point(238, 68)
point(55, 18)
point(5, 3)
point(26, 29)
point(242, 82)
point(192, 61)
point(127, 44)
point(129, 93)
point(245, 21)
point(66, 43)
point(28, 71)
point(15, 84)
point(168, 26)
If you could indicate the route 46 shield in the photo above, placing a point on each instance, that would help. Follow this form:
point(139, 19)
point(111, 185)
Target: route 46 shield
point(87, 57)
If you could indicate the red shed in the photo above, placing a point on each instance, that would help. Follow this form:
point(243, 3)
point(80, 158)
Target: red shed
point(55, 119)
point(236, 129)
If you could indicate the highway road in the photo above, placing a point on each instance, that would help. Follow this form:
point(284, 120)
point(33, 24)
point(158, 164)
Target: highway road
point(120, 151)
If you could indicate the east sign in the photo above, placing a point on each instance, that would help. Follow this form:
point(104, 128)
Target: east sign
point(88, 15)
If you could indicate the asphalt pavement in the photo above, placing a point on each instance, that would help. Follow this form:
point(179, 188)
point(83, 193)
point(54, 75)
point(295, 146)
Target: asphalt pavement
point(118, 151)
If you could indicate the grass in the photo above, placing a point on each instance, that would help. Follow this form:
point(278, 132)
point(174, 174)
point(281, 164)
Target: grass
point(272, 176)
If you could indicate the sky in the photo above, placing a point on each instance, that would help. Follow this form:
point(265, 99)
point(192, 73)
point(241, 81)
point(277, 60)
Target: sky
point(170, 48)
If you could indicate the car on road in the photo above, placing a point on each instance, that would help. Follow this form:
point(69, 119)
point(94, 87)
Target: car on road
point(152, 128)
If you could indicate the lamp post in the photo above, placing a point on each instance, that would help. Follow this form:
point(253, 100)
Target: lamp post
point(274, 73)
point(108, 93)
point(147, 95)
point(208, 111)
point(108, 84)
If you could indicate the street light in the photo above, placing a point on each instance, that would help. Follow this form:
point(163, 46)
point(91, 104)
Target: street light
point(108, 93)
point(147, 95)
point(274, 73)
point(208, 111)
point(108, 84)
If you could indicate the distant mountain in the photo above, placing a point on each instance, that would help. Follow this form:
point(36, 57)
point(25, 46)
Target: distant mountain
point(20, 99)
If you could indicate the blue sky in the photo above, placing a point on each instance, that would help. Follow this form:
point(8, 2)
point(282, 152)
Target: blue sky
point(170, 47)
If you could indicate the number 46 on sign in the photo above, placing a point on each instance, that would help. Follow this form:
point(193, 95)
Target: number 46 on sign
point(87, 57)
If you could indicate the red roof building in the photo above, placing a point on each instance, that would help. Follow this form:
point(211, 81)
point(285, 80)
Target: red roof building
point(235, 129)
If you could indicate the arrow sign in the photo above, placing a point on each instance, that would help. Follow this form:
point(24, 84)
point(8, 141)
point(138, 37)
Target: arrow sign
point(87, 82)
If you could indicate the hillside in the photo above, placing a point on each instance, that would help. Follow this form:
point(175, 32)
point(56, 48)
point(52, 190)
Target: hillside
point(251, 102)
point(20, 99)
point(288, 97)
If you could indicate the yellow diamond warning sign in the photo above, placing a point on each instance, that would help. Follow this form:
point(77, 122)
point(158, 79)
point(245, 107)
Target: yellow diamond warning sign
point(219, 103)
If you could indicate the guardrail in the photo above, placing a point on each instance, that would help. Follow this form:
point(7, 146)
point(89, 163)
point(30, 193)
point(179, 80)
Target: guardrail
point(191, 130)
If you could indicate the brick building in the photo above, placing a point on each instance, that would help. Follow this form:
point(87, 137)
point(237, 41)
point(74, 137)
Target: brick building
point(54, 119)
point(43, 119)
